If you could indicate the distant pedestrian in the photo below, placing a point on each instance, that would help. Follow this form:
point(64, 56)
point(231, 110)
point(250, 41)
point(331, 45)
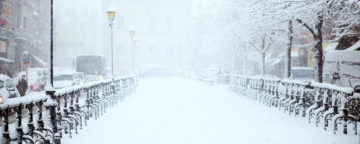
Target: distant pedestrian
point(22, 86)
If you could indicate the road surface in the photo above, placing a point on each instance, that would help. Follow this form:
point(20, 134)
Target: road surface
point(178, 111)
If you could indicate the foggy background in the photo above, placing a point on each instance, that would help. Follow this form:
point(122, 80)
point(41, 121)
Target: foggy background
point(178, 34)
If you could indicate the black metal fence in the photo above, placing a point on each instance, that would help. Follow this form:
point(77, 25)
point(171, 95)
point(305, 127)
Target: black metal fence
point(45, 118)
point(333, 107)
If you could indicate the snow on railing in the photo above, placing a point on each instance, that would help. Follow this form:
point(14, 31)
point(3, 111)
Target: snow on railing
point(321, 102)
point(44, 117)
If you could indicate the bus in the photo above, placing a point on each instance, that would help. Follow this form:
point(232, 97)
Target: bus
point(92, 66)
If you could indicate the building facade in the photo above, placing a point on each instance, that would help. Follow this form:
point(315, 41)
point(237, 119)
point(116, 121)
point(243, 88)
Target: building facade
point(24, 27)
point(78, 30)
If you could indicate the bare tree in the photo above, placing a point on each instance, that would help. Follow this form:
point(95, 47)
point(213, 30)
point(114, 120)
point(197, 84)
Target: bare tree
point(261, 17)
point(262, 49)
point(243, 49)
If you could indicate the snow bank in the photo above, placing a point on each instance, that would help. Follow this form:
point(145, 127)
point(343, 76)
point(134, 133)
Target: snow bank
point(41, 96)
point(294, 81)
point(333, 87)
point(175, 111)
point(29, 98)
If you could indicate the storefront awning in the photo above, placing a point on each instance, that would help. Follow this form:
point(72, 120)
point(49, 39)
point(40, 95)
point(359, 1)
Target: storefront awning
point(39, 60)
point(6, 60)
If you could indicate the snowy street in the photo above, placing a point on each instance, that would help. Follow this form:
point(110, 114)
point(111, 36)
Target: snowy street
point(180, 111)
point(180, 71)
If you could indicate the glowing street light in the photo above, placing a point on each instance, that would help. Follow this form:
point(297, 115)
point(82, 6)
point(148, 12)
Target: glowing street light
point(111, 17)
point(132, 35)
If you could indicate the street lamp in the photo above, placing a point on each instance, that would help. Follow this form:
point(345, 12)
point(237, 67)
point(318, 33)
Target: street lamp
point(132, 35)
point(111, 17)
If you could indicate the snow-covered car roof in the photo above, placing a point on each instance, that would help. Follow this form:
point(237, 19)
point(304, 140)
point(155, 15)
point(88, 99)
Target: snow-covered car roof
point(4, 77)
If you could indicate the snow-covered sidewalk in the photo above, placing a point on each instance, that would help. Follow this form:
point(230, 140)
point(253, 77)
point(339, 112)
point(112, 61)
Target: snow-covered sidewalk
point(177, 111)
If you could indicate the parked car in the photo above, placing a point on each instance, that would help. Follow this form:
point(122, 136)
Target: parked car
point(342, 66)
point(208, 75)
point(62, 80)
point(7, 89)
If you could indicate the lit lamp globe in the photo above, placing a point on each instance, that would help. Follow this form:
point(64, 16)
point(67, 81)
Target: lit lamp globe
point(132, 33)
point(111, 15)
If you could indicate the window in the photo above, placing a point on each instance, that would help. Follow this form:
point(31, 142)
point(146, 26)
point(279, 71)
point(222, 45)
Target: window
point(2, 83)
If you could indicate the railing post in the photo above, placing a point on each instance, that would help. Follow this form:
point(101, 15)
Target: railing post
point(51, 106)
point(6, 133)
point(19, 129)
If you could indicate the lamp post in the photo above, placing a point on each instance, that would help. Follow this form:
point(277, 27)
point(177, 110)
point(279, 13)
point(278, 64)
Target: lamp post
point(51, 44)
point(132, 35)
point(50, 91)
point(111, 17)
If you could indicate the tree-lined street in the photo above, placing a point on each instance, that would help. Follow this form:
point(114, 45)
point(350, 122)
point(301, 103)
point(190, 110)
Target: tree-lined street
point(180, 71)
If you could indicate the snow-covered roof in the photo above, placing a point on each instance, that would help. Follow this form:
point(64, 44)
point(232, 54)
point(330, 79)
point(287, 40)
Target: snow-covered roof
point(331, 46)
point(354, 47)
point(343, 55)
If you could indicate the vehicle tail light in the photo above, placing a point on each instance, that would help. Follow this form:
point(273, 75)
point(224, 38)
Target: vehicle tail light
point(1, 100)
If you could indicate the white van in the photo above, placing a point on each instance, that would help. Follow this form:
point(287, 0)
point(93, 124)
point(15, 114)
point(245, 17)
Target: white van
point(342, 67)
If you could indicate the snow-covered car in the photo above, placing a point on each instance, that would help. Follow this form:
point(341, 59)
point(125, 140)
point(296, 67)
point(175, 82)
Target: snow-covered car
point(7, 89)
point(62, 80)
point(342, 65)
point(302, 73)
point(154, 71)
point(209, 75)
point(79, 78)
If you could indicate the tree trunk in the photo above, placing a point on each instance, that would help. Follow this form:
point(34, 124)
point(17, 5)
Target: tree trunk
point(288, 52)
point(245, 60)
point(318, 49)
point(263, 64)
